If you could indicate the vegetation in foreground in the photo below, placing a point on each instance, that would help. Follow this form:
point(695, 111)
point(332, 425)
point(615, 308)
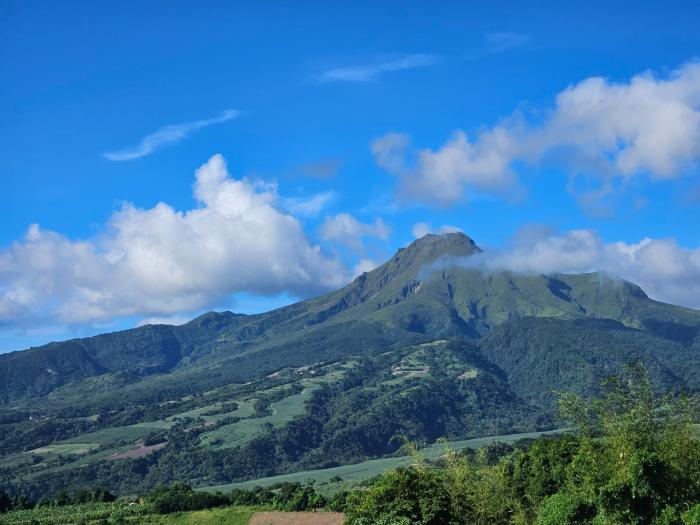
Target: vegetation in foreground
point(634, 460)
point(176, 504)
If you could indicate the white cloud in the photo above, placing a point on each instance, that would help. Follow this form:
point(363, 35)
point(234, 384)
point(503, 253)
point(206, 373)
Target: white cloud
point(310, 206)
point(441, 177)
point(664, 270)
point(346, 229)
point(364, 265)
point(167, 136)
point(161, 261)
point(368, 72)
point(607, 131)
point(420, 229)
point(175, 320)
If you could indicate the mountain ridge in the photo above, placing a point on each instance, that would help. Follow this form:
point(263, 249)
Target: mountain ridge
point(419, 293)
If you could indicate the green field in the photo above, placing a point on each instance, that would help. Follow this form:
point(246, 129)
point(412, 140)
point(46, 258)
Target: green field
point(353, 474)
point(108, 436)
point(244, 430)
point(67, 448)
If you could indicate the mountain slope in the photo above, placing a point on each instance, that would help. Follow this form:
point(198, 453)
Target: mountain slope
point(426, 291)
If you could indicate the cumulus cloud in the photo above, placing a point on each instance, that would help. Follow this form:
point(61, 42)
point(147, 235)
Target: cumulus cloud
point(441, 177)
point(420, 229)
point(368, 72)
point(168, 136)
point(346, 229)
point(665, 271)
point(161, 261)
point(609, 131)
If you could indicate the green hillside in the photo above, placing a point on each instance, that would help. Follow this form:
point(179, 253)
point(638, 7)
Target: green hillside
point(423, 347)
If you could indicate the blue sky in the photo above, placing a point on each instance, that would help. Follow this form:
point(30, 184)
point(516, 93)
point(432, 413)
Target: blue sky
point(340, 129)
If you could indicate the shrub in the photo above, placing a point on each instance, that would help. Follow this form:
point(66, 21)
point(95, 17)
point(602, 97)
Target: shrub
point(404, 496)
point(181, 497)
point(692, 517)
point(5, 501)
point(565, 509)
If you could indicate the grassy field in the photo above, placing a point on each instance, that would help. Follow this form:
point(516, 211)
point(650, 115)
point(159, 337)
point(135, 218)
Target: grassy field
point(352, 474)
point(112, 435)
point(225, 516)
point(244, 430)
point(67, 448)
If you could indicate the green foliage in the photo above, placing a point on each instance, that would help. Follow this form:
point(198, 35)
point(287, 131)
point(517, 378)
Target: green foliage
point(692, 516)
point(565, 509)
point(647, 456)
point(181, 497)
point(120, 511)
point(406, 495)
point(5, 501)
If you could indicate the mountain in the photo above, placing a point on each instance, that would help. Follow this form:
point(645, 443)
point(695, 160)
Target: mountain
point(424, 345)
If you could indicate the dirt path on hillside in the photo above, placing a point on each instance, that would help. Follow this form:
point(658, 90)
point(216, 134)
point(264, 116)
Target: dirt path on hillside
point(297, 518)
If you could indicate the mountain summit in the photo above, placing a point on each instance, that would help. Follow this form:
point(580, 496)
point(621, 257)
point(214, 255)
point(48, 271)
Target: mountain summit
point(424, 292)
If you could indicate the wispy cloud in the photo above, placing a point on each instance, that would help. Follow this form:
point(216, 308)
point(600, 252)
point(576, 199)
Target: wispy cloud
point(497, 43)
point(168, 136)
point(368, 72)
point(311, 206)
point(500, 42)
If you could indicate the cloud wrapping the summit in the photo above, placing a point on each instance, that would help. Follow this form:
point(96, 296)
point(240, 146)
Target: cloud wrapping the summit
point(665, 271)
point(420, 229)
point(161, 261)
point(599, 129)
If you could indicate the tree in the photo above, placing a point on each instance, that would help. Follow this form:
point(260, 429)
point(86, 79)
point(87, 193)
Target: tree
point(565, 509)
point(406, 495)
point(5, 501)
point(637, 455)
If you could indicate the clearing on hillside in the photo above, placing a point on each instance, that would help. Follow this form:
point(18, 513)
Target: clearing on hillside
point(297, 518)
